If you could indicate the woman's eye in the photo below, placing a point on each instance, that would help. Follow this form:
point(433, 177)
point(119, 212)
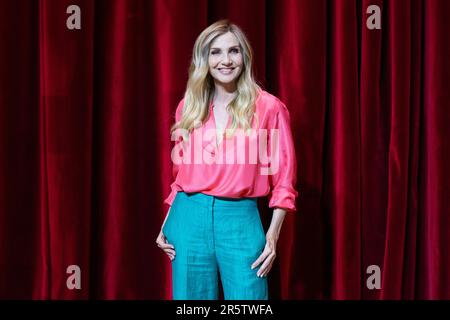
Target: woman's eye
point(235, 50)
point(214, 52)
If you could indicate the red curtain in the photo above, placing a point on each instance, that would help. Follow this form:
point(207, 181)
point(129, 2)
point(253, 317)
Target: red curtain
point(85, 145)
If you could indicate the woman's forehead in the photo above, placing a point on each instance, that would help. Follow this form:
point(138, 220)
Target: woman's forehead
point(227, 39)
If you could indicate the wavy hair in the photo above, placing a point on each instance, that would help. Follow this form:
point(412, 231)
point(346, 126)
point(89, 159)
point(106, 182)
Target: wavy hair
point(200, 86)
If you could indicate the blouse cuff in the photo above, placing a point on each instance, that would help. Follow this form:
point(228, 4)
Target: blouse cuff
point(172, 194)
point(284, 199)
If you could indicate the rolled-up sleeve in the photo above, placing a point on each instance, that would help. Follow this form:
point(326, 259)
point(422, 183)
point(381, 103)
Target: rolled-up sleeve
point(283, 181)
point(174, 187)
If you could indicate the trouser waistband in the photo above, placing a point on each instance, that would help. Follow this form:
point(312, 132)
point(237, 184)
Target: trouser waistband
point(218, 201)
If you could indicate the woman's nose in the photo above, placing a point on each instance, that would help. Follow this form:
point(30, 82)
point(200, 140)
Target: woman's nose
point(226, 59)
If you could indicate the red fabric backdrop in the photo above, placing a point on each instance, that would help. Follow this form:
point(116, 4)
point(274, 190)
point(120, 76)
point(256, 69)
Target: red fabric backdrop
point(85, 146)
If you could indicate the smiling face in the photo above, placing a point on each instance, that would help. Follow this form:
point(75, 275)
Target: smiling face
point(225, 59)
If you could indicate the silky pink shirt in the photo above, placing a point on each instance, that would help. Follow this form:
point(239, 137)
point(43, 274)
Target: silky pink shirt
point(235, 178)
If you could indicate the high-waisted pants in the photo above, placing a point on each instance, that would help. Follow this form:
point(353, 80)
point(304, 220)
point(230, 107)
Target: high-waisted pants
point(215, 237)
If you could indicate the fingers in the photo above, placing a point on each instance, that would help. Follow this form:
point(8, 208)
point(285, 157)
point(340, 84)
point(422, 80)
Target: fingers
point(171, 255)
point(260, 259)
point(168, 248)
point(266, 258)
point(162, 242)
point(266, 267)
point(169, 251)
point(165, 246)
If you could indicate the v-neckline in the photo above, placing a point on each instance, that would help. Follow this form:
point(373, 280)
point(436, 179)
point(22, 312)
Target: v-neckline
point(217, 145)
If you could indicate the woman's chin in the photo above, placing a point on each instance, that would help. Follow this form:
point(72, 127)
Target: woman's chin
point(226, 80)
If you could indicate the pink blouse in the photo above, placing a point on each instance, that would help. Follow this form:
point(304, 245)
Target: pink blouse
point(262, 163)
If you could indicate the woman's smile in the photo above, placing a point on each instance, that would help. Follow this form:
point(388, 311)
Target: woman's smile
point(226, 71)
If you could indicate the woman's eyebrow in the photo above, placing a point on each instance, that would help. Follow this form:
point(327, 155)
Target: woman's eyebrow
point(232, 47)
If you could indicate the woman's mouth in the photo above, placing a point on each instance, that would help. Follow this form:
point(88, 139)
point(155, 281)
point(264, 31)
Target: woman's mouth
point(226, 70)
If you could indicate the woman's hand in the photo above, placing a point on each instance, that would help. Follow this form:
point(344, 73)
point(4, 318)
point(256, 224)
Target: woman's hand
point(267, 257)
point(162, 242)
point(269, 254)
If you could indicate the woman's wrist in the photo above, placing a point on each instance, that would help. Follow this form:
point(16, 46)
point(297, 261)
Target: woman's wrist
point(276, 224)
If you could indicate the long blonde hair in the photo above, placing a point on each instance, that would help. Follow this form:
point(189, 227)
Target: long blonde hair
point(200, 86)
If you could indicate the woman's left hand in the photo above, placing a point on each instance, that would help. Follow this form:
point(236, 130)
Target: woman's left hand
point(267, 257)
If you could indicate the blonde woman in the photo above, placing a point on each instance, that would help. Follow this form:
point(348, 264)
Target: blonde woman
point(233, 144)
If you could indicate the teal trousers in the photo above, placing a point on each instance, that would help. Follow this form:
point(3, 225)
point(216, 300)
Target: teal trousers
point(215, 238)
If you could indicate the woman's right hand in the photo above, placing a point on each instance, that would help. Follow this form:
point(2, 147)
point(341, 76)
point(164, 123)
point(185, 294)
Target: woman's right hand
point(162, 242)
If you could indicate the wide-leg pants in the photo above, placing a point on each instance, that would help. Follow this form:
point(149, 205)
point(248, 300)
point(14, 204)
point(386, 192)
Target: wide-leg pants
point(215, 237)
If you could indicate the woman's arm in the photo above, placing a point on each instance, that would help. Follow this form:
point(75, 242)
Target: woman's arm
point(283, 193)
point(162, 242)
point(165, 219)
point(269, 254)
point(275, 225)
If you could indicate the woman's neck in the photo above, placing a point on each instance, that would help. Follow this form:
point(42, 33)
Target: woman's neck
point(223, 95)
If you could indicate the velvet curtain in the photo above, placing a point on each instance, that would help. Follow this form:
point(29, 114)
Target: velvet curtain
point(85, 145)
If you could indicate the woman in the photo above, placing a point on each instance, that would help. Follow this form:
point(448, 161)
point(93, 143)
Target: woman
point(213, 227)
